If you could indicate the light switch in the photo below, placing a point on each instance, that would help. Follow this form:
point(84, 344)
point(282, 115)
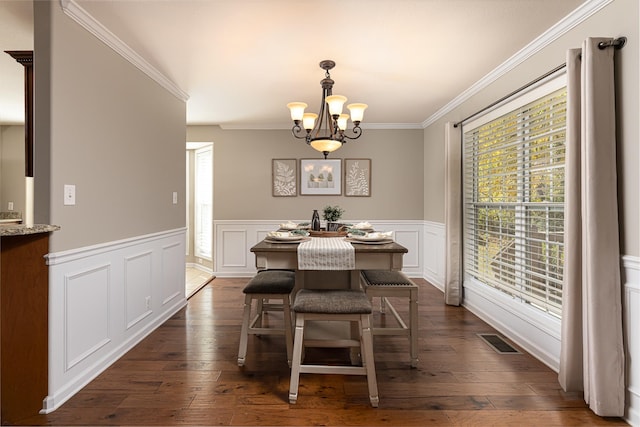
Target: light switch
point(10, 206)
point(69, 194)
point(175, 197)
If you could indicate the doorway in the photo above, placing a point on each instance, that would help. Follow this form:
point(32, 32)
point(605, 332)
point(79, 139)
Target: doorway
point(199, 214)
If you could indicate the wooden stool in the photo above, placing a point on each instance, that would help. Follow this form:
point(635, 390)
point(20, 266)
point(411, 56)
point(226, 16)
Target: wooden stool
point(384, 284)
point(264, 286)
point(343, 304)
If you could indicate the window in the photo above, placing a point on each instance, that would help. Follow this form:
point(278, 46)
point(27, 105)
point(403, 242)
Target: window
point(514, 198)
point(203, 202)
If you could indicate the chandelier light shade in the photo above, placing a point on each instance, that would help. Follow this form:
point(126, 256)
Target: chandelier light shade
point(325, 131)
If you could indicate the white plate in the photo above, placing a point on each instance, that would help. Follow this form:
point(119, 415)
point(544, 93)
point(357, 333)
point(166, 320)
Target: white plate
point(371, 237)
point(284, 236)
point(301, 239)
point(370, 242)
point(364, 226)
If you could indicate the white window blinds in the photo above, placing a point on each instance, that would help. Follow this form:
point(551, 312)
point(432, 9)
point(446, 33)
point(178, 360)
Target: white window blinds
point(203, 202)
point(514, 201)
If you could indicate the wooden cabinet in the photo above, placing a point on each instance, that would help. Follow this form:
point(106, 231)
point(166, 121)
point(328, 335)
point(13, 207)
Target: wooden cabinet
point(24, 298)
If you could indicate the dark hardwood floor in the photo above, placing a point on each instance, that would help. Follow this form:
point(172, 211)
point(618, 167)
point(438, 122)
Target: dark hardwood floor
point(185, 373)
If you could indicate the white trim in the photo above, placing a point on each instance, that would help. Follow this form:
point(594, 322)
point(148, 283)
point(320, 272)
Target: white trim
point(583, 12)
point(197, 145)
point(632, 266)
point(632, 289)
point(56, 258)
point(433, 260)
point(89, 23)
point(631, 310)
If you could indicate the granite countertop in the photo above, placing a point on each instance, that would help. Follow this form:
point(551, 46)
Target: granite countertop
point(21, 230)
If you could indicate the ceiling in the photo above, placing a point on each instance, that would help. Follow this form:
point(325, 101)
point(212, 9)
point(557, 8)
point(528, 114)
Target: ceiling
point(241, 61)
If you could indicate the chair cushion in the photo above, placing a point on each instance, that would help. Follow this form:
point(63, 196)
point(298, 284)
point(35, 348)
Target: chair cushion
point(386, 278)
point(271, 282)
point(332, 301)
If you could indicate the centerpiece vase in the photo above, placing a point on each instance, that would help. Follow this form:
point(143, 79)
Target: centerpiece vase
point(315, 221)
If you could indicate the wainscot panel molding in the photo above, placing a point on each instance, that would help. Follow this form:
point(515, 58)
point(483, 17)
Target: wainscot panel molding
point(631, 322)
point(105, 299)
point(234, 239)
point(434, 250)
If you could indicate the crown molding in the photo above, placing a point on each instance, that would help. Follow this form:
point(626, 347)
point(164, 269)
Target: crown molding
point(88, 22)
point(570, 21)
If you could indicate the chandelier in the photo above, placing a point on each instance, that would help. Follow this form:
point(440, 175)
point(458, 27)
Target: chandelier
point(325, 131)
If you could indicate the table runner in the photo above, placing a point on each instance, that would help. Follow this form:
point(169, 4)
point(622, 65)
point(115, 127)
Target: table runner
point(326, 253)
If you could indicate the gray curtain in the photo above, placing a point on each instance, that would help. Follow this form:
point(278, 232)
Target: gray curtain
point(592, 349)
point(453, 215)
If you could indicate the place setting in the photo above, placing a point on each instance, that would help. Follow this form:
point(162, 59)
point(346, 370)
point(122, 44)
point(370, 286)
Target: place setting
point(289, 232)
point(364, 233)
point(370, 238)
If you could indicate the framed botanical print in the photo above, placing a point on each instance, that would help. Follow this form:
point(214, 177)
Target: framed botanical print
point(320, 177)
point(357, 177)
point(284, 177)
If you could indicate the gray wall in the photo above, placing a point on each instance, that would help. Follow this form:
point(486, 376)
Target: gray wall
point(619, 18)
point(242, 174)
point(110, 130)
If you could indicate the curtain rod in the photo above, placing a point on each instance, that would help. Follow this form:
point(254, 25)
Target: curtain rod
point(616, 43)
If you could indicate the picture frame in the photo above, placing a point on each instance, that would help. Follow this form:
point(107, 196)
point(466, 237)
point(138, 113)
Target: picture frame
point(357, 177)
point(284, 177)
point(320, 177)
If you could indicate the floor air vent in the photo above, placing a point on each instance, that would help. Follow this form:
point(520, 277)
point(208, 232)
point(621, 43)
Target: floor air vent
point(498, 343)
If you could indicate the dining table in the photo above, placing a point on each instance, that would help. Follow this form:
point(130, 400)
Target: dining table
point(277, 255)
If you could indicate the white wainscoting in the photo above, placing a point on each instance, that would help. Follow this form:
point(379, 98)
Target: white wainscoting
point(434, 251)
point(631, 310)
point(425, 242)
point(103, 300)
